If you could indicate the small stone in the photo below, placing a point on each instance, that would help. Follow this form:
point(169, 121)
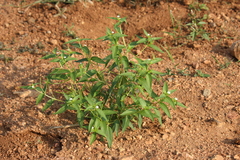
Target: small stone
point(148, 142)
point(207, 62)
point(53, 42)
point(100, 155)
point(196, 45)
point(21, 32)
point(6, 25)
point(206, 92)
point(218, 157)
point(236, 157)
point(128, 158)
point(165, 136)
point(235, 49)
point(139, 137)
point(31, 20)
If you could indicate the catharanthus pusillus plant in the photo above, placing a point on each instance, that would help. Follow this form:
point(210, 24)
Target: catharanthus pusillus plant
point(108, 94)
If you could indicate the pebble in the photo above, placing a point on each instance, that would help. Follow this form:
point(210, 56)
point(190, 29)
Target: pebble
point(53, 42)
point(236, 157)
point(206, 92)
point(207, 62)
point(218, 157)
point(31, 20)
point(148, 142)
point(128, 158)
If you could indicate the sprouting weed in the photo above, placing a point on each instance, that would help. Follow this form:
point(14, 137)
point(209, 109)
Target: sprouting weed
point(123, 89)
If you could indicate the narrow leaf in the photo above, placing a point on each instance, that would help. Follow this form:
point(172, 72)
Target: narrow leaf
point(155, 48)
point(165, 109)
point(39, 98)
point(48, 104)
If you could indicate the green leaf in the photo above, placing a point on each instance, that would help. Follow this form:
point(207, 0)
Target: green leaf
point(142, 102)
point(82, 60)
point(125, 123)
point(165, 109)
point(49, 56)
point(155, 38)
point(155, 48)
point(80, 117)
point(201, 23)
point(128, 74)
point(109, 136)
point(128, 112)
point(125, 61)
point(70, 59)
point(146, 33)
point(89, 74)
point(165, 87)
point(48, 104)
point(98, 60)
point(116, 126)
point(169, 100)
point(102, 114)
point(181, 105)
point(118, 35)
point(27, 87)
point(156, 60)
point(113, 18)
point(109, 112)
point(61, 110)
point(97, 87)
point(77, 40)
point(77, 45)
point(157, 112)
point(60, 71)
point(140, 121)
point(142, 40)
point(149, 80)
point(39, 98)
point(205, 36)
point(93, 137)
point(55, 60)
point(85, 50)
point(147, 113)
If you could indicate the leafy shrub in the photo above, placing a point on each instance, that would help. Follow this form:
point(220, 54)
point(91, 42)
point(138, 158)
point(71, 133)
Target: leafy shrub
point(108, 94)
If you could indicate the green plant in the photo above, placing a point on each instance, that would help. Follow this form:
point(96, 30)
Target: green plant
point(69, 32)
point(199, 73)
point(108, 94)
point(196, 24)
point(222, 66)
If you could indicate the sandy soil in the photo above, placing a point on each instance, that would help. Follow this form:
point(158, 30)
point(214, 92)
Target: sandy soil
point(208, 129)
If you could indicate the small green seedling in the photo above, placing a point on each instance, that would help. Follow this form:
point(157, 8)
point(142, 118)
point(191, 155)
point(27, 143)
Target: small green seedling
point(108, 94)
point(196, 24)
point(199, 73)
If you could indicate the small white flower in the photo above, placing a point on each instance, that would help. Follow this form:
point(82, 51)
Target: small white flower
point(112, 32)
point(64, 57)
point(118, 16)
point(168, 92)
point(33, 86)
point(77, 38)
point(149, 34)
point(70, 99)
point(97, 107)
point(176, 99)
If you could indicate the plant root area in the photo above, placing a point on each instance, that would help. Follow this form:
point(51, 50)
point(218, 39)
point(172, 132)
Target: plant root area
point(209, 128)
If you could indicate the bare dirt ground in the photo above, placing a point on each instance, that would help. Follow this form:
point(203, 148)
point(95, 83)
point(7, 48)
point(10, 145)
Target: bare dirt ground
point(208, 129)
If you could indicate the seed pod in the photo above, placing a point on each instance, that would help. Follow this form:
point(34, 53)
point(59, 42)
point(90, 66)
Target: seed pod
point(235, 49)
